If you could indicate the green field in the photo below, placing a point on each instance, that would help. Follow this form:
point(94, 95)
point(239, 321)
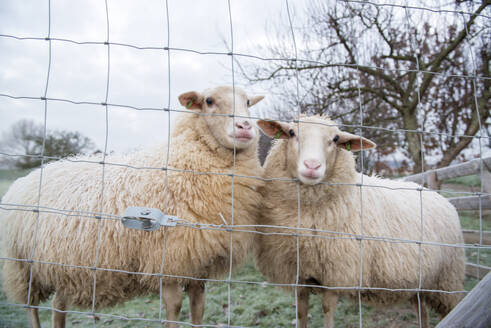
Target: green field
point(255, 305)
point(471, 220)
point(9, 176)
point(469, 181)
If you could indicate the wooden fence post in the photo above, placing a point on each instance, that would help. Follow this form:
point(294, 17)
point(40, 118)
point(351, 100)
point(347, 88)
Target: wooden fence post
point(433, 182)
point(486, 179)
point(473, 311)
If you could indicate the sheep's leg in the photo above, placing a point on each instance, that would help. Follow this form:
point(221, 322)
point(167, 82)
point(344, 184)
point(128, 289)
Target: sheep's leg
point(425, 319)
point(59, 318)
point(196, 293)
point(34, 318)
point(172, 295)
point(329, 301)
point(303, 306)
point(33, 300)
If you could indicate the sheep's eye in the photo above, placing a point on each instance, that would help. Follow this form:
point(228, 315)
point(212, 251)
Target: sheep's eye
point(248, 102)
point(209, 101)
point(336, 138)
point(291, 132)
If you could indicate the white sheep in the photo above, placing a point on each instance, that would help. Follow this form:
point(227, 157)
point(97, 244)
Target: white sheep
point(199, 144)
point(345, 205)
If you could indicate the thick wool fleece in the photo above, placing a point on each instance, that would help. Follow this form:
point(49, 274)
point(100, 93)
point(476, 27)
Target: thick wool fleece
point(377, 209)
point(72, 240)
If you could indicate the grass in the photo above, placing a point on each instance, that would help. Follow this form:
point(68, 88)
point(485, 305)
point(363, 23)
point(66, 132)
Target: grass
point(253, 305)
point(469, 181)
point(484, 256)
point(9, 176)
point(470, 220)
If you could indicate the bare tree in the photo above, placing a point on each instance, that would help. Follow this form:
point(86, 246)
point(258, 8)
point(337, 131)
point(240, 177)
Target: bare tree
point(393, 68)
point(25, 137)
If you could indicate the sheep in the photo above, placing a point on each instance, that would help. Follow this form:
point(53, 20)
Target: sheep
point(317, 154)
point(200, 143)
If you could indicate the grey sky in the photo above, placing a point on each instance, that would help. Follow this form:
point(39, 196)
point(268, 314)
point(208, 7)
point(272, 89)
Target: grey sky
point(138, 77)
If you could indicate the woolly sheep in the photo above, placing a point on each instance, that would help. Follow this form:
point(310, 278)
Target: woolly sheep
point(319, 159)
point(201, 143)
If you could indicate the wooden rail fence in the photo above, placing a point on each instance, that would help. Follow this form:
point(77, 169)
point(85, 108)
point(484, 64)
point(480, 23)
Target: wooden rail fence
point(478, 201)
point(433, 179)
point(473, 310)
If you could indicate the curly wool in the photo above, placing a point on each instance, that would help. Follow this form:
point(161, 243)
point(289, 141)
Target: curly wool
point(381, 208)
point(72, 240)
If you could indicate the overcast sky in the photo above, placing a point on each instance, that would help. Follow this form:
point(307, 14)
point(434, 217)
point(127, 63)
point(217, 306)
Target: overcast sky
point(137, 77)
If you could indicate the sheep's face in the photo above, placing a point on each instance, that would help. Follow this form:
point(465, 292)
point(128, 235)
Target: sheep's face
point(313, 145)
point(217, 105)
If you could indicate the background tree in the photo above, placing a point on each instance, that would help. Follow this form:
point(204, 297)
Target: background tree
point(25, 137)
point(406, 68)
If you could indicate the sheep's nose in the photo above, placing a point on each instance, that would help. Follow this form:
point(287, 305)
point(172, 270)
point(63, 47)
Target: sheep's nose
point(243, 125)
point(312, 164)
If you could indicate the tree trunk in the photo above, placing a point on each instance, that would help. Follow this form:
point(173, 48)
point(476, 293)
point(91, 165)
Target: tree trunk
point(413, 140)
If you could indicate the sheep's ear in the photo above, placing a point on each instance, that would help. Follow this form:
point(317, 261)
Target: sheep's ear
point(191, 100)
point(274, 129)
point(254, 100)
point(353, 142)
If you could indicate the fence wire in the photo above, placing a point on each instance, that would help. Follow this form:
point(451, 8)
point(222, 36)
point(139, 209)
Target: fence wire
point(296, 231)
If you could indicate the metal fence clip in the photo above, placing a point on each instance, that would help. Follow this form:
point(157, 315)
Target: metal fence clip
point(148, 219)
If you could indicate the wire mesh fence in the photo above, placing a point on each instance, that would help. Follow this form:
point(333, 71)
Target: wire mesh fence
point(229, 224)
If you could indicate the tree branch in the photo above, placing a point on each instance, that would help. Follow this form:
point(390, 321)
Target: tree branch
point(436, 63)
point(342, 39)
